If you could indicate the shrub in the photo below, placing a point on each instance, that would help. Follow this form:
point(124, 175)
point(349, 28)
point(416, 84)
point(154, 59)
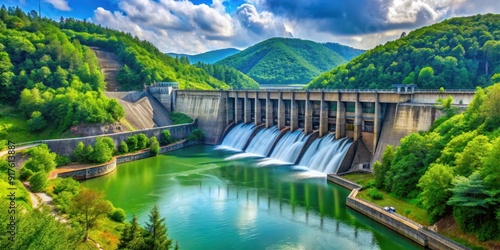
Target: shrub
point(142, 141)
point(66, 185)
point(196, 135)
point(103, 151)
point(375, 194)
point(369, 184)
point(118, 215)
point(154, 148)
point(166, 138)
point(132, 143)
point(79, 152)
point(38, 181)
point(37, 122)
point(123, 147)
point(62, 160)
point(26, 173)
point(407, 212)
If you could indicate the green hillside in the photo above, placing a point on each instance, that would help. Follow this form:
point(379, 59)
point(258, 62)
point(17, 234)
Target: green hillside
point(208, 57)
point(52, 81)
point(143, 62)
point(456, 53)
point(231, 76)
point(346, 52)
point(284, 61)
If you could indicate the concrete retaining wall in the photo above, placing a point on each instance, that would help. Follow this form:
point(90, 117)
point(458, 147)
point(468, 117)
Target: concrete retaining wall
point(400, 224)
point(106, 168)
point(66, 146)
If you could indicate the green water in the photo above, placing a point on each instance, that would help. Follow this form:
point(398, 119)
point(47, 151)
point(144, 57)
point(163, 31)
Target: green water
point(211, 203)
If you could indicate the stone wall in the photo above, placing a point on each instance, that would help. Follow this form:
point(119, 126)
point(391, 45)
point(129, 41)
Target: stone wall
point(66, 146)
point(208, 107)
point(106, 168)
point(91, 172)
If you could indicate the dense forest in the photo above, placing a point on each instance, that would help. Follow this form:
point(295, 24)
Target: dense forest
point(231, 76)
point(284, 61)
point(459, 53)
point(346, 52)
point(143, 62)
point(454, 167)
point(53, 79)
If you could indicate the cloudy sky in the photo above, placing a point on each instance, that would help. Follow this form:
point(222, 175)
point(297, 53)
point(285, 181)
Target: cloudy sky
point(197, 26)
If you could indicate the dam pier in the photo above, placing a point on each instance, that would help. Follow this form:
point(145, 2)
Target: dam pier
point(373, 119)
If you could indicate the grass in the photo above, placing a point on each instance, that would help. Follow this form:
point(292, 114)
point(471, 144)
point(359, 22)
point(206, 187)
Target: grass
point(359, 178)
point(14, 127)
point(179, 118)
point(411, 211)
point(107, 233)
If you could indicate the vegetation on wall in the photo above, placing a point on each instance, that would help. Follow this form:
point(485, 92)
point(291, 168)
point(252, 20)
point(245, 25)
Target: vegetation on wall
point(459, 53)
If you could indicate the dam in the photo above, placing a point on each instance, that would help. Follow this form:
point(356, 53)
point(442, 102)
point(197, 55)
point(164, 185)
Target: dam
point(371, 119)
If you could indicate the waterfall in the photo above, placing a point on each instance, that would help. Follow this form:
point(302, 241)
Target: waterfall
point(323, 155)
point(237, 137)
point(289, 147)
point(263, 141)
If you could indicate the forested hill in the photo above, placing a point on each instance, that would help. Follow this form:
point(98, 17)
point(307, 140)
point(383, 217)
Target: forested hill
point(284, 61)
point(346, 52)
point(208, 57)
point(51, 78)
point(456, 53)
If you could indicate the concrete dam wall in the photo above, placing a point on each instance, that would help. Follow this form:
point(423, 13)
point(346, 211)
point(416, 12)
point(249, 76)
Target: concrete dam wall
point(376, 118)
point(208, 108)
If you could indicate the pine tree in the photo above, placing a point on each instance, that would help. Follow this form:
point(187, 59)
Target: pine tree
point(133, 236)
point(156, 237)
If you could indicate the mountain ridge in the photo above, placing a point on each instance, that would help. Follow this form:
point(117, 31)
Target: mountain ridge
point(285, 60)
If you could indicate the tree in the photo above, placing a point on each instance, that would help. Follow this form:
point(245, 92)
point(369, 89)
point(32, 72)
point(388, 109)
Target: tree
point(37, 122)
point(103, 151)
point(132, 143)
point(41, 159)
point(471, 158)
point(90, 205)
point(123, 147)
point(38, 182)
point(166, 138)
point(79, 152)
point(426, 77)
point(154, 147)
point(384, 167)
point(435, 185)
point(132, 237)
point(196, 135)
point(142, 141)
point(119, 215)
point(156, 237)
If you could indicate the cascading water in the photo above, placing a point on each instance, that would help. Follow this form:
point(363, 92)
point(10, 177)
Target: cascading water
point(237, 137)
point(324, 155)
point(289, 147)
point(263, 141)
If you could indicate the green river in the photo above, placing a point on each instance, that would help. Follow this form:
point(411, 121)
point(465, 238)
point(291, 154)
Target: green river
point(212, 203)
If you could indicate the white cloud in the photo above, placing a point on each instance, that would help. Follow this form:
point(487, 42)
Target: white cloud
point(59, 4)
point(184, 27)
point(410, 11)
